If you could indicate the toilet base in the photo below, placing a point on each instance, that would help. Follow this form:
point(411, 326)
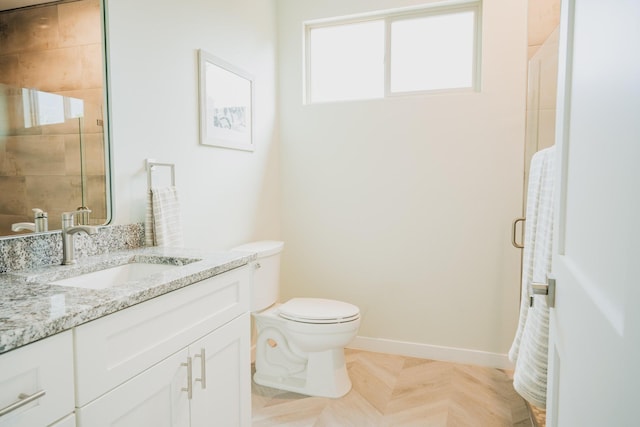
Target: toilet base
point(325, 376)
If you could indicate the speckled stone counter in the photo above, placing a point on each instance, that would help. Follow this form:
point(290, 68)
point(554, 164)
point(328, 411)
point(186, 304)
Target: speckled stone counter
point(36, 249)
point(31, 308)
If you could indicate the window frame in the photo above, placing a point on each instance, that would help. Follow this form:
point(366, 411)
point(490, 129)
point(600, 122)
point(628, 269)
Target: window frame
point(440, 8)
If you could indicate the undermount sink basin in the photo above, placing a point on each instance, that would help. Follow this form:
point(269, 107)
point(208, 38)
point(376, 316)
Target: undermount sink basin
point(115, 275)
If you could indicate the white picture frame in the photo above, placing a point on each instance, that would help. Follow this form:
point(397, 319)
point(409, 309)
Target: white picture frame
point(226, 104)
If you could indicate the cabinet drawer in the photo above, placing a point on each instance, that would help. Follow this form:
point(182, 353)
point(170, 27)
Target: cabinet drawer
point(45, 365)
point(117, 347)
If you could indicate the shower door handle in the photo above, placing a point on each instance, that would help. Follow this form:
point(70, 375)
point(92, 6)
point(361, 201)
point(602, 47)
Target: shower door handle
point(514, 226)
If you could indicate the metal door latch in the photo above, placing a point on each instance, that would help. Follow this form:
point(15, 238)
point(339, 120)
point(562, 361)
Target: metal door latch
point(548, 289)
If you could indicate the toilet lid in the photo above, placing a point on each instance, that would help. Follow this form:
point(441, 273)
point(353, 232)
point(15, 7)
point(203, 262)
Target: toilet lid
point(318, 310)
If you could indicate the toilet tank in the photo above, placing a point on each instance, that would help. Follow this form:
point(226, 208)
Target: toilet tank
point(266, 276)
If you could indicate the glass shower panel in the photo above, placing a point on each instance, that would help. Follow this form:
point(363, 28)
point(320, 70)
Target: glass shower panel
point(49, 158)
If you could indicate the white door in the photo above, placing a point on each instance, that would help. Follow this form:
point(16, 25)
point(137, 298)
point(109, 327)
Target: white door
point(594, 354)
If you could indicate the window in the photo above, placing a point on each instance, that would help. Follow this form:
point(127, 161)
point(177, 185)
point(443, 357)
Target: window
point(434, 49)
point(337, 72)
point(44, 108)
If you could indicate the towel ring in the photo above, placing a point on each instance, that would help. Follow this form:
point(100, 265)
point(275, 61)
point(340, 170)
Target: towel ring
point(150, 164)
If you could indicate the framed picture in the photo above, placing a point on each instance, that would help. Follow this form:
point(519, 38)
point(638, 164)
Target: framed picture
point(226, 102)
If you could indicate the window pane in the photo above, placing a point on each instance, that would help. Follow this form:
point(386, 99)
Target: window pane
point(347, 61)
point(433, 52)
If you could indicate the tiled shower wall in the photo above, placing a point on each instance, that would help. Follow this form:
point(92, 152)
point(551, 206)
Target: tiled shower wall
point(542, 73)
point(57, 49)
point(543, 18)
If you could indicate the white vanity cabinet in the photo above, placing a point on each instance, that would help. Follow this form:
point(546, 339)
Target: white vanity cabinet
point(145, 365)
point(36, 384)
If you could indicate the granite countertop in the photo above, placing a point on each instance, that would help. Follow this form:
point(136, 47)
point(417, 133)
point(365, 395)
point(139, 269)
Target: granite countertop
point(31, 308)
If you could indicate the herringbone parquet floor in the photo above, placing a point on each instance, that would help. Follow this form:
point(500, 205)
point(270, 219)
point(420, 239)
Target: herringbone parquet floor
point(393, 391)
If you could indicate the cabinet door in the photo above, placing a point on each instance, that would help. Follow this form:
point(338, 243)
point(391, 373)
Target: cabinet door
point(68, 421)
point(224, 399)
point(152, 398)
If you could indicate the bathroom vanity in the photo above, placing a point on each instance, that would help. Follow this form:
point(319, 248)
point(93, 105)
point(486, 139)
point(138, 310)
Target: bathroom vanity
point(172, 347)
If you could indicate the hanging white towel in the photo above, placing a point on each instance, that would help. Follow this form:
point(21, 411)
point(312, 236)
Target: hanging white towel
point(162, 222)
point(530, 345)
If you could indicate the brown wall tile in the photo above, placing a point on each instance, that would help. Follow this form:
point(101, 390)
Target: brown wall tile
point(9, 69)
point(36, 155)
point(13, 190)
point(78, 24)
point(52, 70)
point(29, 30)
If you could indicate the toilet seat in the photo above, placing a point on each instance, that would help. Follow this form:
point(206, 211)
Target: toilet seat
point(318, 311)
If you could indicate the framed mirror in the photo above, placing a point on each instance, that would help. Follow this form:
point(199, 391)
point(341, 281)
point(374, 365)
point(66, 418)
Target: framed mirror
point(54, 139)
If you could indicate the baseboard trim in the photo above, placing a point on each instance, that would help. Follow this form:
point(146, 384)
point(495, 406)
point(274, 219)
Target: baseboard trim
point(434, 352)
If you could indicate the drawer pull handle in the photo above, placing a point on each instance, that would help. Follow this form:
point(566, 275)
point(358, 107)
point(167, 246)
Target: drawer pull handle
point(188, 388)
point(23, 400)
point(203, 369)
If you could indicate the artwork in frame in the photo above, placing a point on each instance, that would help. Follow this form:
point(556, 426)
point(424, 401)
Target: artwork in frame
point(226, 102)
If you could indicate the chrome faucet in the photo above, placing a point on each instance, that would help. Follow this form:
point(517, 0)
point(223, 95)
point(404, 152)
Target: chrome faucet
point(20, 226)
point(38, 225)
point(68, 230)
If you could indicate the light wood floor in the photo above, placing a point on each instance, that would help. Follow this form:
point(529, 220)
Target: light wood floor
point(538, 416)
point(393, 391)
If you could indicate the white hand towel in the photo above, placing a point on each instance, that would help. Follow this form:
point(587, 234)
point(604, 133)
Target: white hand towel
point(530, 345)
point(163, 226)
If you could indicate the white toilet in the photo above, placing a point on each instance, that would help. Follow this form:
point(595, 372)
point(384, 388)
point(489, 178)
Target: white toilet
point(300, 343)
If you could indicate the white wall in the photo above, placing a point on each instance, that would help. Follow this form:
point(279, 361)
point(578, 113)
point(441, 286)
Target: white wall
point(400, 206)
point(228, 196)
point(403, 206)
